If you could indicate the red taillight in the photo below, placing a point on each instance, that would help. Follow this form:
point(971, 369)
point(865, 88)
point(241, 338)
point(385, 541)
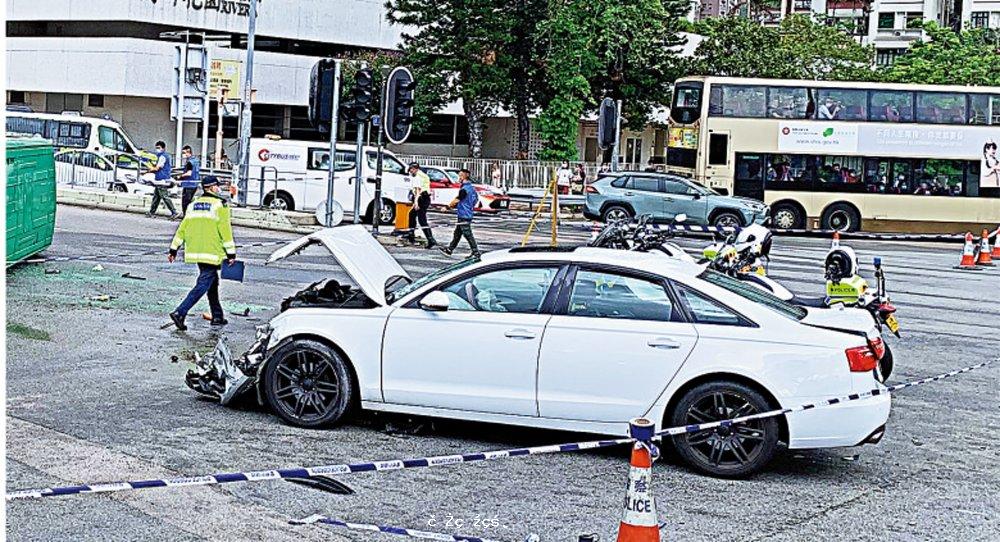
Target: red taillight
point(861, 359)
point(591, 190)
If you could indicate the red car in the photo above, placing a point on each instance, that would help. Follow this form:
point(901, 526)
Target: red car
point(445, 185)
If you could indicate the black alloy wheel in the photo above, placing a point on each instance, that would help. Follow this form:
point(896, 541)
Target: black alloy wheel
point(726, 452)
point(307, 383)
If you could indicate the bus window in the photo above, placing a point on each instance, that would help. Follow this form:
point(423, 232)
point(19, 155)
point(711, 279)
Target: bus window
point(941, 107)
point(789, 103)
point(890, 106)
point(984, 109)
point(790, 171)
point(939, 177)
point(738, 101)
point(841, 173)
point(687, 102)
point(841, 104)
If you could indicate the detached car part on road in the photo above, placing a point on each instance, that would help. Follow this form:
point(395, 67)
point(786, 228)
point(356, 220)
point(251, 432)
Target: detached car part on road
point(578, 340)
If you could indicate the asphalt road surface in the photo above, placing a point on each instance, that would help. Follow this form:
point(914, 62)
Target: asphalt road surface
point(93, 396)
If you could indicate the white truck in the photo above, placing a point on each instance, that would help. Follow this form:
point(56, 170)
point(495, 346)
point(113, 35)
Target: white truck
point(291, 174)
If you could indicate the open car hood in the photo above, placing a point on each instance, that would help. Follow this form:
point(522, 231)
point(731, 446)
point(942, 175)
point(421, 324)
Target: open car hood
point(839, 317)
point(357, 252)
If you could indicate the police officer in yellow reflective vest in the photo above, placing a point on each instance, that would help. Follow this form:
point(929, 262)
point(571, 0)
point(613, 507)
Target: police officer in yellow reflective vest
point(207, 236)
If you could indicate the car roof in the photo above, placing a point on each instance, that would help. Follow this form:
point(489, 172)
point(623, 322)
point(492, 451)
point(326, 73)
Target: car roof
point(653, 262)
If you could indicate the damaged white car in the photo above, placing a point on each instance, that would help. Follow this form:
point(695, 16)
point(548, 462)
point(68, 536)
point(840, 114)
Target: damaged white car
point(581, 340)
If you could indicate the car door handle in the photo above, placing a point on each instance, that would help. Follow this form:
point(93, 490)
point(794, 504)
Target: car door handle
point(664, 343)
point(629, 194)
point(519, 333)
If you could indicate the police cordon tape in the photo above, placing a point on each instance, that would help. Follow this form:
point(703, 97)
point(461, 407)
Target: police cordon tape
point(400, 531)
point(925, 237)
point(105, 257)
point(436, 461)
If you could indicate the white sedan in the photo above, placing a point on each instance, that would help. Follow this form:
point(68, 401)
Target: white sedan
point(579, 340)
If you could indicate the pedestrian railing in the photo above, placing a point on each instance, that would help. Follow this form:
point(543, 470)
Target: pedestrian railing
point(513, 173)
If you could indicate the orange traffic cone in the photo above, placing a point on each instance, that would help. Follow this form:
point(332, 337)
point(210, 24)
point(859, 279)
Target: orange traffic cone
point(639, 523)
point(996, 244)
point(984, 251)
point(836, 240)
point(968, 254)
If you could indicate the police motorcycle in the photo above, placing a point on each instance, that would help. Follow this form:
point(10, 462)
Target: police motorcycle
point(744, 255)
point(641, 237)
point(845, 285)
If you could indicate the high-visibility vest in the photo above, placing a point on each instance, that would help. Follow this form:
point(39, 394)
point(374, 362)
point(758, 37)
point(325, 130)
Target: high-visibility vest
point(206, 232)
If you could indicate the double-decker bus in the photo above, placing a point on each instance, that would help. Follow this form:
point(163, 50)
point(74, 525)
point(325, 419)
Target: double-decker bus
point(844, 155)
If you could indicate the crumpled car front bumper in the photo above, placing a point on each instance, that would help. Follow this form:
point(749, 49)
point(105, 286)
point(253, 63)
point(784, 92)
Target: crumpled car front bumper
point(224, 378)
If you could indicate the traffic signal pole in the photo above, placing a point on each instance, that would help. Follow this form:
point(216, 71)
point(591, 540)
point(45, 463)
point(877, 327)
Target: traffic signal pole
point(359, 155)
point(335, 108)
point(245, 116)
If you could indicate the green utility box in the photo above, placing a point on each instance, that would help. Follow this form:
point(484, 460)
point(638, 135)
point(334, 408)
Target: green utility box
point(31, 197)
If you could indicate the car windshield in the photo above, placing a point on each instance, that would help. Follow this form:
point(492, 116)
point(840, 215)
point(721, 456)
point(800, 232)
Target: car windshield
point(453, 175)
point(406, 289)
point(751, 292)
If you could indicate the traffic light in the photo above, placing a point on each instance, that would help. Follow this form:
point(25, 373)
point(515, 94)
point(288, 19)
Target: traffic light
point(607, 124)
point(361, 95)
point(321, 83)
point(397, 117)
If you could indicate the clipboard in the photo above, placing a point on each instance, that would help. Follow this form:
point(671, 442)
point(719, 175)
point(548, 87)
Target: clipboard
point(234, 271)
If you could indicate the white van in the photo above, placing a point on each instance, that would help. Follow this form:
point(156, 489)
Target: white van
point(102, 136)
point(294, 177)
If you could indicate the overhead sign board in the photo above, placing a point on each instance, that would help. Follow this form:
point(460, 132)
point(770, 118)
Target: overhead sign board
point(224, 74)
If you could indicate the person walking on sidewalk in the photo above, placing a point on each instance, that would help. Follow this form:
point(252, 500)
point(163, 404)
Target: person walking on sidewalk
point(190, 178)
point(162, 181)
point(421, 203)
point(206, 234)
point(465, 206)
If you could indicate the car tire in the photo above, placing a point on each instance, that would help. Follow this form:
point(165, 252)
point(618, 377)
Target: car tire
point(616, 212)
point(279, 201)
point(841, 217)
point(727, 219)
point(885, 364)
point(725, 452)
point(308, 384)
point(786, 216)
point(388, 213)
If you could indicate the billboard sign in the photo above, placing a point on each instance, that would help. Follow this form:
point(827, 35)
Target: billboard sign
point(813, 137)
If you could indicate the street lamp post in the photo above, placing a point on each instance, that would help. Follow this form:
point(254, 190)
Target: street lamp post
point(244, 176)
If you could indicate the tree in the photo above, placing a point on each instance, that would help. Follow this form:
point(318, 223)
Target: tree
point(626, 49)
point(519, 60)
point(454, 49)
point(969, 57)
point(798, 48)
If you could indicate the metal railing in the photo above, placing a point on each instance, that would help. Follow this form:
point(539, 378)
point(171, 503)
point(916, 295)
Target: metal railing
point(513, 173)
point(81, 168)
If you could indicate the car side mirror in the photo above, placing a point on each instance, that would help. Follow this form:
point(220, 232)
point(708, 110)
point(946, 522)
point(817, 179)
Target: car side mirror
point(435, 301)
point(696, 195)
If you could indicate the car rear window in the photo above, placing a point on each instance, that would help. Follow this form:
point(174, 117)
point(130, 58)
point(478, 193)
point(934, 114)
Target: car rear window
point(751, 292)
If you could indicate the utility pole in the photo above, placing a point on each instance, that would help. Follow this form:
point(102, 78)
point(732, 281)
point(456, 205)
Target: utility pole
point(615, 151)
point(244, 177)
